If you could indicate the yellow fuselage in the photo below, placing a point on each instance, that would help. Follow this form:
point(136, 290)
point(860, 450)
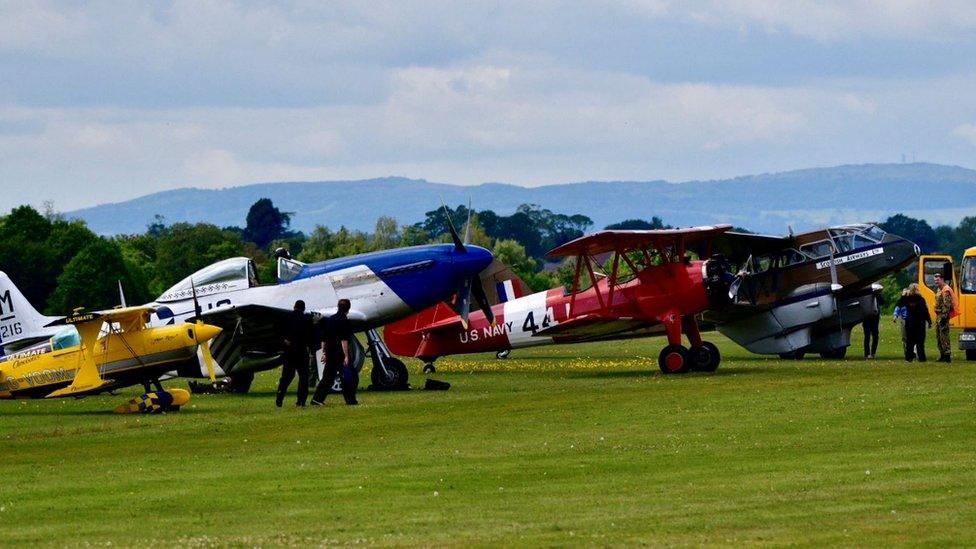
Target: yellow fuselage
point(41, 369)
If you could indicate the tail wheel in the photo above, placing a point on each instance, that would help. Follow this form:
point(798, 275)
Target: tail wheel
point(396, 376)
point(429, 368)
point(674, 359)
point(705, 358)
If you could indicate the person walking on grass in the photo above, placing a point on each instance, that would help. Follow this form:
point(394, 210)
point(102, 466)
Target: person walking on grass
point(336, 334)
point(297, 340)
point(916, 319)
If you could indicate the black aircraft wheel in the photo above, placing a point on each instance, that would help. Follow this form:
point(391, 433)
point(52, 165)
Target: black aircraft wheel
point(674, 359)
point(792, 355)
point(503, 354)
point(241, 383)
point(970, 354)
point(396, 377)
point(429, 368)
point(705, 358)
point(834, 354)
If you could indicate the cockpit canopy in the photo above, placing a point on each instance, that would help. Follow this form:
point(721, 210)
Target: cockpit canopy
point(237, 273)
point(836, 240)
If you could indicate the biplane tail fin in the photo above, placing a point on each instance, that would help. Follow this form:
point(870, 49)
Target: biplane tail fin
point(502, 284)
point(19, 320)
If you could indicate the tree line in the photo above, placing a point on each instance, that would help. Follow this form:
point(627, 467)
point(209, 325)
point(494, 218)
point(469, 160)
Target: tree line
point(60, 264)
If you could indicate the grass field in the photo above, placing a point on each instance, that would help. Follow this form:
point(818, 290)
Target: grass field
point(585, 444)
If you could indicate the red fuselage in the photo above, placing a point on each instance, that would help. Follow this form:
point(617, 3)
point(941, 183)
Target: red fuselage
point(656, 296)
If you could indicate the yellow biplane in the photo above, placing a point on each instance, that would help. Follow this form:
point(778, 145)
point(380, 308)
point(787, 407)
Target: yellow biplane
point(105, 350)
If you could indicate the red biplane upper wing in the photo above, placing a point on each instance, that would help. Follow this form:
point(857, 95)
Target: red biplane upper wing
point(608, 241)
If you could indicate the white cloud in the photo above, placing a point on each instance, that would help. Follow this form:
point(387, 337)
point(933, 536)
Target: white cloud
point(848, 20)
point(966, 132)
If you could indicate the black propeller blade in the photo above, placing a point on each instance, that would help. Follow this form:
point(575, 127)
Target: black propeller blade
point(472, 284)
point(479, 294)
point(458, 244)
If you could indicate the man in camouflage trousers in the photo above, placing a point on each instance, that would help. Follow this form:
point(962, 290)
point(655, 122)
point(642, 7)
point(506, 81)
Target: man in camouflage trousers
point(943, 309)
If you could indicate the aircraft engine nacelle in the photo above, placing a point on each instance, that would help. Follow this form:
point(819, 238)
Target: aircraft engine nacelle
point(717, 278)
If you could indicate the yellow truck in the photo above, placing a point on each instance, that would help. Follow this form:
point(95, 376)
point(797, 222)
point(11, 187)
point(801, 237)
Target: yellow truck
point(964, 287)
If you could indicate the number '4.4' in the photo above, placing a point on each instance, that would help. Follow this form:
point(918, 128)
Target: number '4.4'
point(530, 326)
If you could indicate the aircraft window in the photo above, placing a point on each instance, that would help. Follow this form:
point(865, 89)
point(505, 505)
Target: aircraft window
point(65, 338)
point(874, 233)
point(288, 269)
point(793, 257)
point(239, 269)
point(818, 249)
point(968, 282)
point(861, 241)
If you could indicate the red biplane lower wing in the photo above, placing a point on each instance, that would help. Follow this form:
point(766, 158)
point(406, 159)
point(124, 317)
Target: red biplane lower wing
point(595, 327)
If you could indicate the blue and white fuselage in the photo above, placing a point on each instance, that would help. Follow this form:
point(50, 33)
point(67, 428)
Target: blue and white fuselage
point(382, 287)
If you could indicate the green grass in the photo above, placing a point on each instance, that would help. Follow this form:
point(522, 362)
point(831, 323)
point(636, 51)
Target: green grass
point(584, 444)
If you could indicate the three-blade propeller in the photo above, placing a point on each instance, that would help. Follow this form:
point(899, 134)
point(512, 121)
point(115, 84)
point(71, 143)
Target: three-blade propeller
point(472, 284)
point(208, 359)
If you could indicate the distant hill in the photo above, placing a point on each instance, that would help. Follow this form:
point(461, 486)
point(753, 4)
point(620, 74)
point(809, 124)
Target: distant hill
point(764, 203)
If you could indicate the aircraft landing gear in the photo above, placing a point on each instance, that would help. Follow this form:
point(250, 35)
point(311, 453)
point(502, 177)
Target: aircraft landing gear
point(429, 367)
point(705, 358)
point(674, 359)
point(501, 355)
point(388, 373)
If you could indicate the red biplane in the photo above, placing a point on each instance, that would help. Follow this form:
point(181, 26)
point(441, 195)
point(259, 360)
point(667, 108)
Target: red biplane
point(626, 284)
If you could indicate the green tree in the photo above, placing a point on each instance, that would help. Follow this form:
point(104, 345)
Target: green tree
point(318, 246)
point(91, 278)
point(916, 230)
point(184, 248)
point(638, 225)
point(265, 223)
point(412, 235)
point(386, 234)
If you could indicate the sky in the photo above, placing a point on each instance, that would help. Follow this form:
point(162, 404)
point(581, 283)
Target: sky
point(106, 101)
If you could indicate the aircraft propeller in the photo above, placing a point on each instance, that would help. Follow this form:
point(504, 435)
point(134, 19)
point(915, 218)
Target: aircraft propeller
point(472, 284)
point(208, 359)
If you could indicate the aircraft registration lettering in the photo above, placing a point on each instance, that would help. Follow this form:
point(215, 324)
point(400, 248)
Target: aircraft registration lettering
point(44, 377)
point(848, 258)
point(10, 330)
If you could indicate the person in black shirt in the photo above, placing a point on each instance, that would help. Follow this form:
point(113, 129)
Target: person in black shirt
point(297, 339)
point(916, 318)
point(870, 325)
point(336, 334)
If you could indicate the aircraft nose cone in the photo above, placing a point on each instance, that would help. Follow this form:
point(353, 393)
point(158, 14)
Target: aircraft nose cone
point(473, 261)
point(206, 332)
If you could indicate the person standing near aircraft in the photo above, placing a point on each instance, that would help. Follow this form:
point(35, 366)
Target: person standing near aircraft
point(943, 310)
point(297, 340)
point(898, 316)
point(916, 319)
point(336, 334)
point(870, 326)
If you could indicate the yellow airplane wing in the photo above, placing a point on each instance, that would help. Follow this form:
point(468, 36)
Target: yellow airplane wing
point(87, 378)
